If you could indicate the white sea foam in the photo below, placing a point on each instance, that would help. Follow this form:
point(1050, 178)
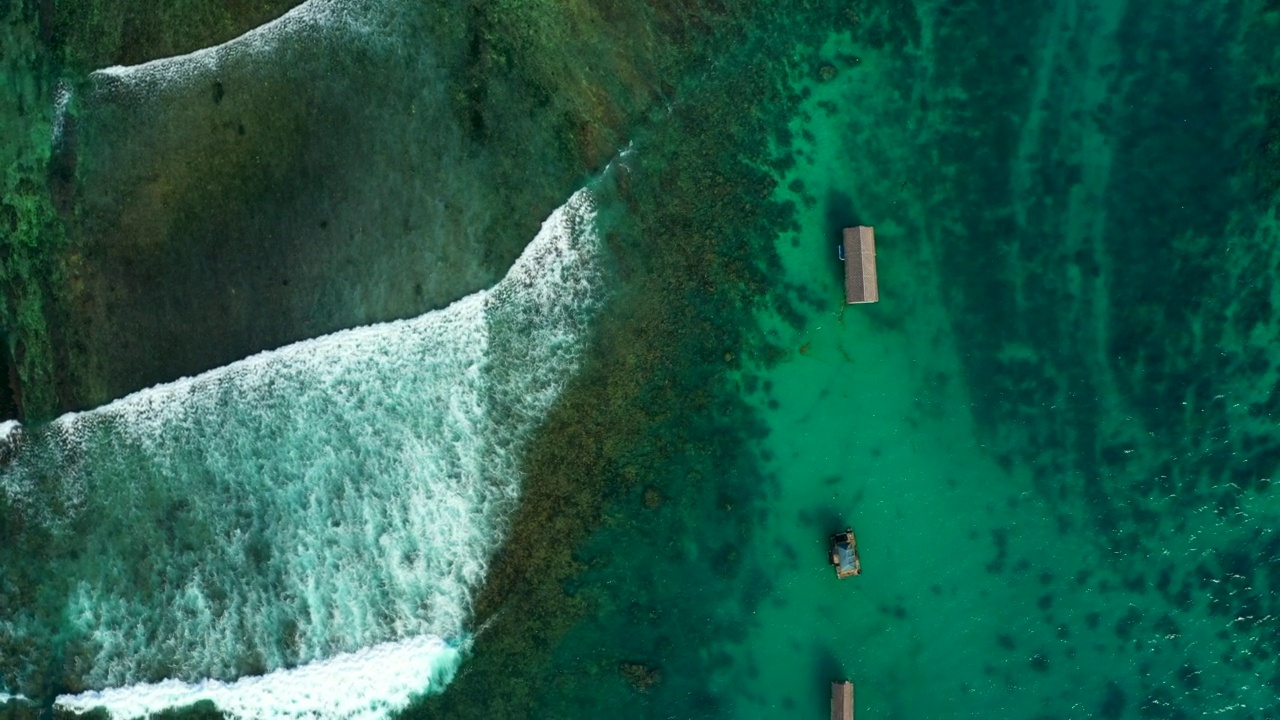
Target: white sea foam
point(311, 17)
point(300, 504)
point(362, 685)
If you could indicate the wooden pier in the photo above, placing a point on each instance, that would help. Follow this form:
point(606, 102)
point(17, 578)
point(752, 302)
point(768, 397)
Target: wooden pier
point(860, 285)
point(842, 700)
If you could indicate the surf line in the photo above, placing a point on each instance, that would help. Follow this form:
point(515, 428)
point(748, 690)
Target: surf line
point(338, 500)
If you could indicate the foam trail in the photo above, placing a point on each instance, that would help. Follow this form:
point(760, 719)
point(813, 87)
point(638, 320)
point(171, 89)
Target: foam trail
point(313, 17)
point(300, 504)
point(358, 686)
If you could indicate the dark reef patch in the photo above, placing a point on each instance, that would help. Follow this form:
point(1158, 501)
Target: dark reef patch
point(1113, 702)
point(1000, 537)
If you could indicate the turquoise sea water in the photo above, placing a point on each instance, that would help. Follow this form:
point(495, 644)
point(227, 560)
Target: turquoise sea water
point(1054, 435)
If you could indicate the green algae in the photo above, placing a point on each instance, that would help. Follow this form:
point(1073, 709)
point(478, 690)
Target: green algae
point(31, 233)
point(161, 235)
point(1265, 159)
point(18, 710)
point(192, 208)
point(91, 34)
point(542, 43)
point(48, 46)
point(30, 271)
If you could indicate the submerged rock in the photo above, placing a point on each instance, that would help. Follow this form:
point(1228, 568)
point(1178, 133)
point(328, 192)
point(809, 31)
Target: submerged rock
point(639, 676)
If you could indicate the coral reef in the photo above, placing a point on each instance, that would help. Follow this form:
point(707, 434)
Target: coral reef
point(640, 676)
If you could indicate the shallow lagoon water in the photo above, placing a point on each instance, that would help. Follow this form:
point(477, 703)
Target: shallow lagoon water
point(1043, 533)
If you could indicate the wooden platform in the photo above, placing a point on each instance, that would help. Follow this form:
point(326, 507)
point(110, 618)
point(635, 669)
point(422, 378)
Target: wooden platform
point(844, 554)
point(860, 285)
point(842, 700)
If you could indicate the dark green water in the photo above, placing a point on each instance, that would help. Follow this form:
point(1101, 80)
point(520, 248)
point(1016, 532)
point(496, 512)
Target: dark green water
point(1054, 435)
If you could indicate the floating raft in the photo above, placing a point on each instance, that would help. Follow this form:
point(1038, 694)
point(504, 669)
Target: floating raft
point(860, 284)
point(844, 554)
point(842, 700)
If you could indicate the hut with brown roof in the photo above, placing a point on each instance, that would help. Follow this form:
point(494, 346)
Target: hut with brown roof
point(842, 700)
point(859, 253)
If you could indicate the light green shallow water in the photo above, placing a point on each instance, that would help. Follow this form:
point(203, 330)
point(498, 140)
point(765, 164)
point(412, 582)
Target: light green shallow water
point(987, 428)
point(872, 428)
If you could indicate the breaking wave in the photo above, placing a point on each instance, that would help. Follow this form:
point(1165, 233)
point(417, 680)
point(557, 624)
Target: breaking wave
point(333, 502)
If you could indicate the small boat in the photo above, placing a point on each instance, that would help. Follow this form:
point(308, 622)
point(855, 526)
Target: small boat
point(844, 554)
